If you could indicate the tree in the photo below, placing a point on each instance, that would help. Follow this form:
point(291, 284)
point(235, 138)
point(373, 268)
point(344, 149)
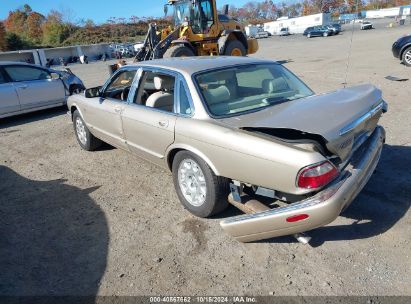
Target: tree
point(3, 45)
point(15, 22)
point(14, 42)
point(54, 30)
point(34, 24)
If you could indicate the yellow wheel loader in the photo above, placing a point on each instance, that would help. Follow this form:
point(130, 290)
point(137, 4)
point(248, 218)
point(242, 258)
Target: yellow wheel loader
point(198, 30)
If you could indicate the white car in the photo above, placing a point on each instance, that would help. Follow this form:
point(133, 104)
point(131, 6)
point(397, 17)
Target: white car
point(283, 32)
point(261, 34)
point(27, 88)
point(367, 25)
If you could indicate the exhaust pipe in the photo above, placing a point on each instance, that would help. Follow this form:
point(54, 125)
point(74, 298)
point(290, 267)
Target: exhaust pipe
point(249, 205)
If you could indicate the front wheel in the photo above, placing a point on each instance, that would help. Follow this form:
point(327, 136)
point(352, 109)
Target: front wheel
point(86, 140)
point(406, 57)
point(179, 51)
point(200, 191)
point(308, 35)
point(325, 34)
point(235, 48)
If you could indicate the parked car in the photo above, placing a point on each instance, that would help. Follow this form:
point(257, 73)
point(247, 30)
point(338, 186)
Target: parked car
point(284, 32)
point(240, 125)
point(335, 28)
point(402, 49)
point(317, 31)
point(261, 34)
point(366, 25)
point(27, 87)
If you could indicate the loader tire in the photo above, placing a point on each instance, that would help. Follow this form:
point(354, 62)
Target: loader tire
point(235, 48)
point(179, 51)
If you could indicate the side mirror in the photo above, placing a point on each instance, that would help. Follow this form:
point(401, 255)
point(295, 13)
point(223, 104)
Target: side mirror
point(92, 92)
point(55, 76)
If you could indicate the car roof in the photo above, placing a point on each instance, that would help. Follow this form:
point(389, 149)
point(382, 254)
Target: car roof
point(192, 65)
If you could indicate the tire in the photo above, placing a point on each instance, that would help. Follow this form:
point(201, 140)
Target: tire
point(308, 35)
point(235, 48)
point(325, 34)
point(406, 57)
point(179, 51)
point(211, 196)
point(86, 140)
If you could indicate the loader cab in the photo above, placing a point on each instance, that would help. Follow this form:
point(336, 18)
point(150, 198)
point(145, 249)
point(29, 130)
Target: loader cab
point(198, 14)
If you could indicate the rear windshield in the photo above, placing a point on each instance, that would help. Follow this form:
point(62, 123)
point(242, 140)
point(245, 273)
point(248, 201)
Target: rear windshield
point(235, 90)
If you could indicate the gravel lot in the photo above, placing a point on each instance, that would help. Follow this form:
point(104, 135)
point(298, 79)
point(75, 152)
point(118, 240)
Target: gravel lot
point(107, 223)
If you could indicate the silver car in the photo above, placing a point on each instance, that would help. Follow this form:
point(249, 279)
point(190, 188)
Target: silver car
point(27, 87)
point(243, 131)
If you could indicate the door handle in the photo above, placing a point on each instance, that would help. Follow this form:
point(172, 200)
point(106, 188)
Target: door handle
point(163, 123)
point(22, 86)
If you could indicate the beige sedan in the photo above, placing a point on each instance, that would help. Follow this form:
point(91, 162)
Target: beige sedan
point(242, 131)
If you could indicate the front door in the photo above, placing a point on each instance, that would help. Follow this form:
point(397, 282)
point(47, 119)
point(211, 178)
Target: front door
point(9, 101)
point(103, 114)
point(35, 87)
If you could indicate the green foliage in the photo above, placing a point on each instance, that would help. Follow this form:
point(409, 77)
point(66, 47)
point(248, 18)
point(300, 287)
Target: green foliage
point(14, 42)
point(3, 44)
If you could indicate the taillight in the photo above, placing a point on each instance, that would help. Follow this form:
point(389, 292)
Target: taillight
point(317, 176)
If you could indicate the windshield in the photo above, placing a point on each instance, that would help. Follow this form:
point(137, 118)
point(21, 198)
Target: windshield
point(235, 90)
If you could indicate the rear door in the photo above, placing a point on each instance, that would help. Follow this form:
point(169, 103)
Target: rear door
point(35, 87)
point(149, 127)
point(9, 101)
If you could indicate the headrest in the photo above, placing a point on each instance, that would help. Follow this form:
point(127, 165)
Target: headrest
point(217, 95)
point(275, 85)
point(163, 82)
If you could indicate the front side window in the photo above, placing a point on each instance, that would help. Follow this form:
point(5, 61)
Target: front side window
point(235, 90)
point(119, 86)
point(23, 73)
point(203, 17)
point(181, 12)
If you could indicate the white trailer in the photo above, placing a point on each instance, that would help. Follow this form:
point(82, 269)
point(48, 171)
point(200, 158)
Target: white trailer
point(297, 25)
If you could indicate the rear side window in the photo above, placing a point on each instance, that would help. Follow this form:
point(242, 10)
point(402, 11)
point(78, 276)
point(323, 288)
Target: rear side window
point(22, 73)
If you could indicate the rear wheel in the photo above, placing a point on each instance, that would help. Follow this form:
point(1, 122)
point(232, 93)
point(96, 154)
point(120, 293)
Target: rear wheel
point(325, 34)
point(179, 51)
point(406, 56)
point(86, 140)
point(200, 191)
point(235, 48)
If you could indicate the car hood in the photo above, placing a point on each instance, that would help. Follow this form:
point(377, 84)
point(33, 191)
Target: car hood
point(341, 118)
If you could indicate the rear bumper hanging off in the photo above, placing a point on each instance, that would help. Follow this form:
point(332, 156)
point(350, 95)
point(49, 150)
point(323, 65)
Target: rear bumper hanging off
point(316, 211)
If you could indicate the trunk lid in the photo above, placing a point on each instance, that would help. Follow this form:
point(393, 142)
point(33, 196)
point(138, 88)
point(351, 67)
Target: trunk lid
point(344, 118)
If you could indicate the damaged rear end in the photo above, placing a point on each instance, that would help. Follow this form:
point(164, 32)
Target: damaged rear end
point(342, 126)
